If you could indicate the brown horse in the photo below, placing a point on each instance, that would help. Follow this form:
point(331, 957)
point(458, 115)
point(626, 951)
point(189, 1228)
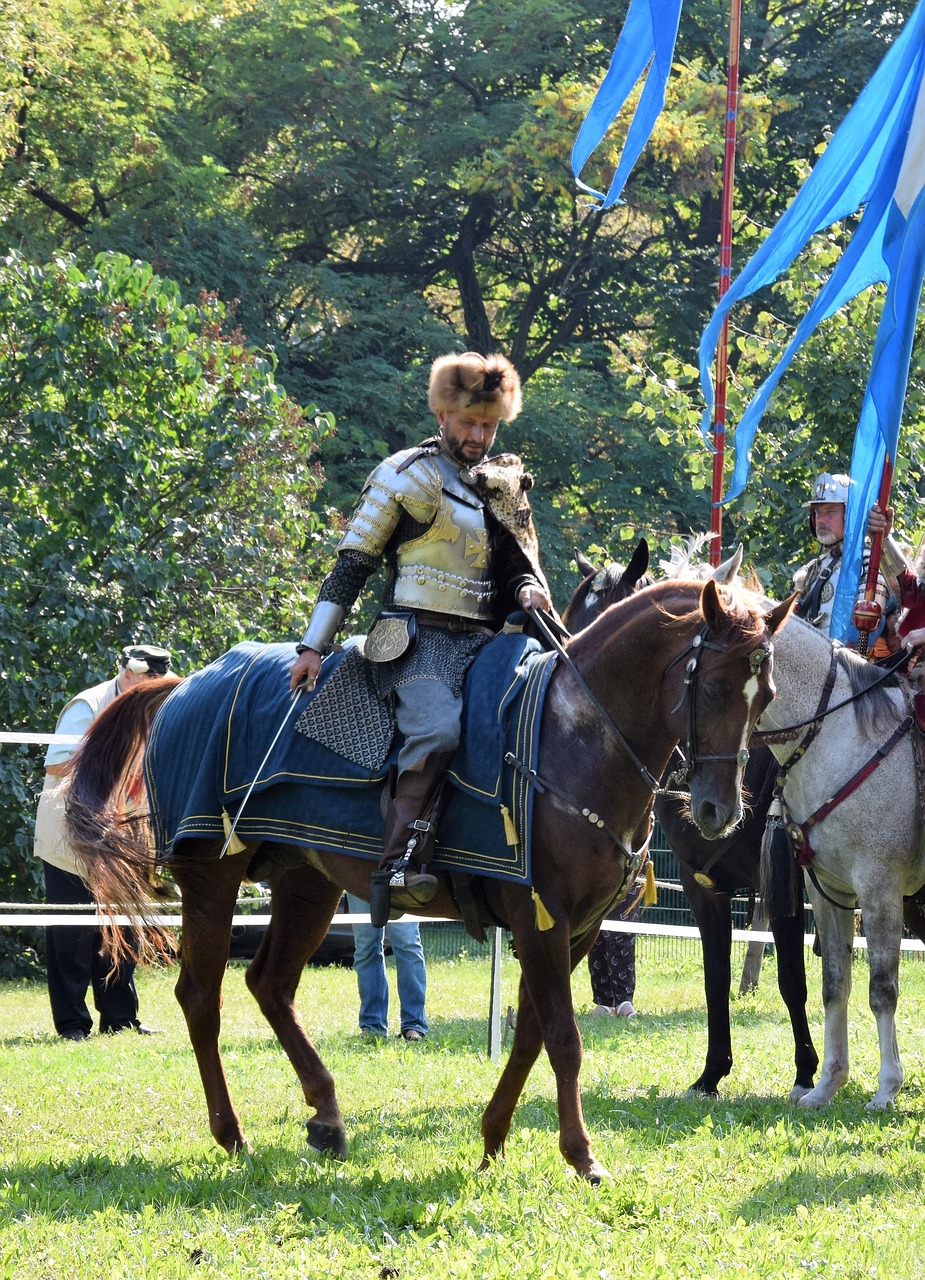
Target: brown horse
point(679, 662)
point(712, 872)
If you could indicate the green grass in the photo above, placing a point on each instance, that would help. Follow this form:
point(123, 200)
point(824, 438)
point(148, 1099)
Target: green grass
point(108, 1169)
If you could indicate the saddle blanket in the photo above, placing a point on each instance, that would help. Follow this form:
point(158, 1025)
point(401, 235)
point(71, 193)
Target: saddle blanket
point(211, 735)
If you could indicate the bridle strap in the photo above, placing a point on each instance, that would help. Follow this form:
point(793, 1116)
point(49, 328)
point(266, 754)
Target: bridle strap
point(775, 736)
point(555, 643)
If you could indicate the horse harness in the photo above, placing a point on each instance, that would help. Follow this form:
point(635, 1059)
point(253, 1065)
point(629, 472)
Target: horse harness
point(697, 647)
point(778, 812)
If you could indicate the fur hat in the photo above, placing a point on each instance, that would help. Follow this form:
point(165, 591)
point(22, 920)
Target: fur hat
point(470, 381)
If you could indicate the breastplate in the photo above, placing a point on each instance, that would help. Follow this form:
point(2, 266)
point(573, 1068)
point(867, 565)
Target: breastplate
point(448, 568)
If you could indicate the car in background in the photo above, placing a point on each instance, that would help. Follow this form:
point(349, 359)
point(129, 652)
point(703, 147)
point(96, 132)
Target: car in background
point(336, 947)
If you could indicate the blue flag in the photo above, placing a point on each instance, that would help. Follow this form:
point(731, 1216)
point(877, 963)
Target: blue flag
point(646, 41)
point(875, 160)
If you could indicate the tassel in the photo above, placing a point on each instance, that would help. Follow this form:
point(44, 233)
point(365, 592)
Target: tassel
point(778, 871)
point(510, 831)
point(237, 844)
point(544, 920)
point(650, 894)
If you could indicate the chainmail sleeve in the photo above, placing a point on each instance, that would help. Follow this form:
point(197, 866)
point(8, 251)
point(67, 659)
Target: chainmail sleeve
point(348, 577)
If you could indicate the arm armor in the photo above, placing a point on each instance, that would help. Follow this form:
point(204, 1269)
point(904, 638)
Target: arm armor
point(397, 487)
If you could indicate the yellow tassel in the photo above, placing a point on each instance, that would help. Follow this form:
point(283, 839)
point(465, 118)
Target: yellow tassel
point(510, 831)
point(237, 844)
point(544, 920)
point(650, 896)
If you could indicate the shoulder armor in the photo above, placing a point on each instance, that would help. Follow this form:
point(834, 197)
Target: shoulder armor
point(414, 479)
point(406, 481)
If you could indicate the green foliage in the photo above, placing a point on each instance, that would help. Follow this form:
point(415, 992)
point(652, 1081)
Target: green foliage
point(155, 484)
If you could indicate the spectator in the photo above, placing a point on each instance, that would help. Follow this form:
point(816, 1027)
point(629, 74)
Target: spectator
point(612, 958)
point(75, 959)
point(372, 982)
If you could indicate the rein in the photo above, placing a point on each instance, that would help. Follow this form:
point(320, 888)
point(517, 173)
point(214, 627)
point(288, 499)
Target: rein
point(774, 737)
point(799, 832)
point(698, 645)
point(555, 643)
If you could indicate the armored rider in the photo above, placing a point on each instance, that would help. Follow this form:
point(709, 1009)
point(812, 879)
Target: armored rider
point(453, 574)
point(817, 580)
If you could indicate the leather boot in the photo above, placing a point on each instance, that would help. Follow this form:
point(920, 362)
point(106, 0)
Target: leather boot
point(410, 830)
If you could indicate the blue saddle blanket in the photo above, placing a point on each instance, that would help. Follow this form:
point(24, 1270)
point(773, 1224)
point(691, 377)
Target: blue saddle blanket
point(213, 733)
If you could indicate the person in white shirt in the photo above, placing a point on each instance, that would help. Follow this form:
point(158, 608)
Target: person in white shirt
point(75, 961)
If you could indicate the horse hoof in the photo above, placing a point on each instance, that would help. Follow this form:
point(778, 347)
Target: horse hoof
point(328, 1139)
point(598, 1174)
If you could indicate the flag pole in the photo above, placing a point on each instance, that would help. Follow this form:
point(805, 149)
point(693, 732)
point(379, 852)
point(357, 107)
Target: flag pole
point(867, 611)
point(725, 276)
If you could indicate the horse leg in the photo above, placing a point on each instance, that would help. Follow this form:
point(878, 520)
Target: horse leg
point(713, 913)
point(209, 891)
point(836, 936)
point(525, 1049)
point(791, 982)
point(546, 961)
point(882, 917)
point(303, 903)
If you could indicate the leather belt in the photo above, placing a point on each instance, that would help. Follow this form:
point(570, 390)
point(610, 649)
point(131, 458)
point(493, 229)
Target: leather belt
point(450, 622)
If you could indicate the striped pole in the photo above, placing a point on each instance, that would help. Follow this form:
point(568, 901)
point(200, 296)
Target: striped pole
point(725, 275)
point(867, 612)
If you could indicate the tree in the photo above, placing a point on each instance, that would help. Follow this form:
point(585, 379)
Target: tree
point(155, 484)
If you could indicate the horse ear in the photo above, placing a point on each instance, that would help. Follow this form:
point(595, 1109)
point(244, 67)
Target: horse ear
point(712, 607)
point(780, 613)
point(639, 562)
point(728, 570)
point(584, 564)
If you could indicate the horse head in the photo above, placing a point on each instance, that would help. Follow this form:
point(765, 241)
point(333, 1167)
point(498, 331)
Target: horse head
point(727, 684)
point(602, 587)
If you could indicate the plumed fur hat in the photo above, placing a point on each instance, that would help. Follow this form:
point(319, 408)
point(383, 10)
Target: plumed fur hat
point(470, 381)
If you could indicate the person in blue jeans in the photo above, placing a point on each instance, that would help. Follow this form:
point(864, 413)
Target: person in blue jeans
point(369, 965)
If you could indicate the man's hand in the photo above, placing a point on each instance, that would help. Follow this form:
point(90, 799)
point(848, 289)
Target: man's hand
point(306, 667)
point(530, 597)
point(880, 521)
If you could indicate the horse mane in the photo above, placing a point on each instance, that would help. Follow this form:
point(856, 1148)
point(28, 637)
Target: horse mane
point(106, 767)
point(744, 626)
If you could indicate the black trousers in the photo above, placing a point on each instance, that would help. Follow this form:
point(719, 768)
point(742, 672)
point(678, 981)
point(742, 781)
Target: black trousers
point(612, 958)
point(76, 963)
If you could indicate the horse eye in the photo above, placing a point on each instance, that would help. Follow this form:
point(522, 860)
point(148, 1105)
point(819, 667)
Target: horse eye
point(717, 692)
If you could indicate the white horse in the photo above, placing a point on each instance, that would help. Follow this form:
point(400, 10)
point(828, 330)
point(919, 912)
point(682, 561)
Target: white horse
point(868, 850)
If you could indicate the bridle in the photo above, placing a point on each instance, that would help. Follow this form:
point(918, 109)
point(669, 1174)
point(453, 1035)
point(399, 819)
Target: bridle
point(698, 645)
point(799, 832)
point(690, 760)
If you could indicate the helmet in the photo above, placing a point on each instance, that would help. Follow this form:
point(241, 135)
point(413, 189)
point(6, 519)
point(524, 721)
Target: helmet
point(827, 488)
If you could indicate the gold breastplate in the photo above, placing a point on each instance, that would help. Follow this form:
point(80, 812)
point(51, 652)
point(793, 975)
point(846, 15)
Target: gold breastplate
point(448, 567)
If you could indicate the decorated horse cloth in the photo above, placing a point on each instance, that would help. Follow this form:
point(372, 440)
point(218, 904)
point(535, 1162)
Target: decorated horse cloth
point(211, 735)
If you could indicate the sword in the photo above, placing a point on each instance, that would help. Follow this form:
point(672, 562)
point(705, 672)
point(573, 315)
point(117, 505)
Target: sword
point(247, 795)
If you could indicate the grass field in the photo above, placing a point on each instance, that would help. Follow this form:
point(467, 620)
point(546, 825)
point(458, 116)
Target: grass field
point(108, 1169)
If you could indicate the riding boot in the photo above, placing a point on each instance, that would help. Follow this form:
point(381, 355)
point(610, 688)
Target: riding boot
point(410, 831)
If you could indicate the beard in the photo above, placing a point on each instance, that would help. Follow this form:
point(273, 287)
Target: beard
point(454, 446)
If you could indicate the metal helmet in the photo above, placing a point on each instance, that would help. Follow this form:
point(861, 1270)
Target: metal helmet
point(827, 488)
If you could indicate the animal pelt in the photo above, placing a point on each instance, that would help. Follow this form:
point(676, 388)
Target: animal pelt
point(503, 483)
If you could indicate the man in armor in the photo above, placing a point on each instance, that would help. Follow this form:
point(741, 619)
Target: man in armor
point(453, 574)
point(817, 580)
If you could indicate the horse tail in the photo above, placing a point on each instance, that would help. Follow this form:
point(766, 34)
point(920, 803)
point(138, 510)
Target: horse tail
point(108, 826)
point(779, 883)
